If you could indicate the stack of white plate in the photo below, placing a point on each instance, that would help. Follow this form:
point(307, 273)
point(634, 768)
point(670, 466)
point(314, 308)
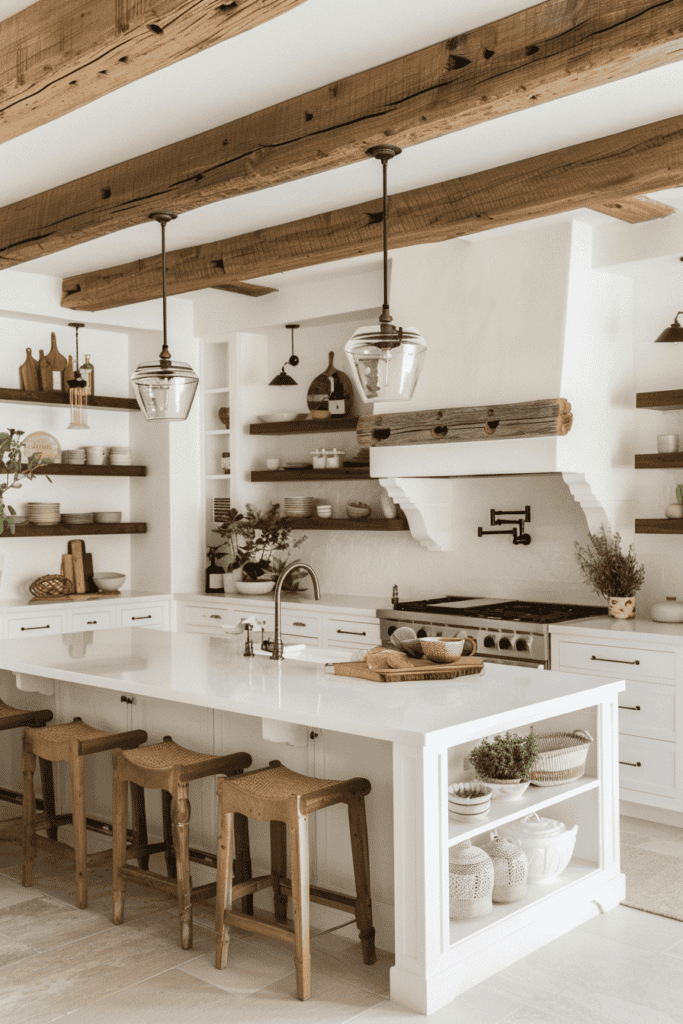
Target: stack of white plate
point(221, 509)
point(43, 513)
point(299, 508)
point(119, 456)
point(74, 456)
point(74, 518)
point(107, 517)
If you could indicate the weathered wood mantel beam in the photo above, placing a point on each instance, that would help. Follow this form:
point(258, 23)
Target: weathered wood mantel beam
point(644, 159)
point(58, 56)
point(550, 50)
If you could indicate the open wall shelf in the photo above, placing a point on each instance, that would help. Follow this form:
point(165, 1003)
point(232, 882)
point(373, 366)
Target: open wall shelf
point(64, 469)
point(62, 398)
point(79, 530)
point(306, 426)
point(660, 460)
point(659, 400)
point(659, 525)
point(315, 523)
point(283, 475)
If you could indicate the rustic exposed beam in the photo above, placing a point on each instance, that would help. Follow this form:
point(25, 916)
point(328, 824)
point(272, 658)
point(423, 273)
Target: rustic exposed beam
point(644, 159)
point(56, 57)
point(632, 209)
point(550, 50)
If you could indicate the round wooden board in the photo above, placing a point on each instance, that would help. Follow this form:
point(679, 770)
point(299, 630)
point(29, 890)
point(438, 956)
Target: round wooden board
point(320, 386)
point(42, 443)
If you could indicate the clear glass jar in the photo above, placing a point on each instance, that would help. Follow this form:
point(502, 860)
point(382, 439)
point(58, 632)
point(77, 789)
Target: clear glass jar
point(334, 459)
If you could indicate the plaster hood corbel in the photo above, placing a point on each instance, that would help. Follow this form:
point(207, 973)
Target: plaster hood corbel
point(428, 505)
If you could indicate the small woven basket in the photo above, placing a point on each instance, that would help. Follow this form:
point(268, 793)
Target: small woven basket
point(561, 757)
point(51, 586)
point(224, 416)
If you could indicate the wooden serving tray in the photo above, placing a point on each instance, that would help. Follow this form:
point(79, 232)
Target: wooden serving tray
point(423, 670)
point(76, 597)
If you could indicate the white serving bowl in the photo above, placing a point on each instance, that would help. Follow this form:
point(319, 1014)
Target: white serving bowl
point(254, 586)
point(547, 842)
point(277, 417)
point(108, 581)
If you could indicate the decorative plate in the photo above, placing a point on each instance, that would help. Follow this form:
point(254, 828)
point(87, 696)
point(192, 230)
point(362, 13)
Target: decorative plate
point(43, 444)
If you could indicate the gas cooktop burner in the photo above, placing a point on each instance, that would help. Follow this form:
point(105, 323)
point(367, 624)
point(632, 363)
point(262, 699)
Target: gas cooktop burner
point(519, 611)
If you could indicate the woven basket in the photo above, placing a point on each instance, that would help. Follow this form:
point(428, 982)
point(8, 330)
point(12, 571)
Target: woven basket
point(51, 586)
point(561, 757)
point(224, 416)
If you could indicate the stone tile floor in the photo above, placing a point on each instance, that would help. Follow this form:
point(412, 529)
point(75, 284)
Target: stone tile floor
point(59, 963)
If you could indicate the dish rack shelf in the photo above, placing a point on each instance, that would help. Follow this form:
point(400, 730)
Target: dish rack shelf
point(76, 530)
point(61, 398)
point(305, 426)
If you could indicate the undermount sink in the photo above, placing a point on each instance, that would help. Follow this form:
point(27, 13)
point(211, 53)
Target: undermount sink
point(316, 655)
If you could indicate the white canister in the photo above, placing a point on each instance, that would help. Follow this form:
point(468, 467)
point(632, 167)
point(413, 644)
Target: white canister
point(547, 843)
point(667, 443)
point(334, 459)
point(670, 610)
point(319, 457)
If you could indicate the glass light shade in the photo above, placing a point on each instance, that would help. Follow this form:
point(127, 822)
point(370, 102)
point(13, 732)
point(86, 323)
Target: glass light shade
point(165, 392)
point(78, 402)
point(385, 370)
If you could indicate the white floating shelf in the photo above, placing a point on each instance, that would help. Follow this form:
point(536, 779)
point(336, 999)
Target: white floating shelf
point(216, 391)
point(218, 476)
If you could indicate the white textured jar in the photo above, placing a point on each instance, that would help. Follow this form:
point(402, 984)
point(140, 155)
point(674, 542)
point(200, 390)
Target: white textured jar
point(510, 869)
point(470, 882)
point(670, 610)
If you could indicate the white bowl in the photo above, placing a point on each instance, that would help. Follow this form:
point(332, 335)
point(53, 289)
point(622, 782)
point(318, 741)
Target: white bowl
point(108, 581)
point(254, 587)
point(277, 417)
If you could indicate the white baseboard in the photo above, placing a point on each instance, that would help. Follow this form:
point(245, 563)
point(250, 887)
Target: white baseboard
point(662, 815)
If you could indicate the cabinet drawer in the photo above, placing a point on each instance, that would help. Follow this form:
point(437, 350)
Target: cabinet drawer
point(611, 660)
point(352, 632)
point(145, 615)
point(210, 616)
point(648, 709)
point(300, 623)
point(34, 625)
point(91, 620)
point(647, 766)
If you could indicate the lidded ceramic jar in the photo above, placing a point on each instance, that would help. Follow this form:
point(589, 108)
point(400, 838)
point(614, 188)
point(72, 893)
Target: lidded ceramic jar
point(470, 882)
point(319, 457)
point(670, 610)
point(510, 869)
point(547, 843)
point(334, 459)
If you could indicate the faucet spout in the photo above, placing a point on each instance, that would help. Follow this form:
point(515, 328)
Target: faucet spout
point(277, 644)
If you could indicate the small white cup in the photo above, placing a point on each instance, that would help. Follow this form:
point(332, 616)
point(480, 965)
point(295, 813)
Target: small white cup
point(667, 443)
point(272, 464)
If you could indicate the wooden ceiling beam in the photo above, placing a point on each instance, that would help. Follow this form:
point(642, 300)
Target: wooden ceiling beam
point(553, 49)
point(632, 209)
point(58, 56)
point(644, 159)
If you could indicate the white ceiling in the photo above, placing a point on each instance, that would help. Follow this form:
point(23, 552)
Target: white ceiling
point(305, 48)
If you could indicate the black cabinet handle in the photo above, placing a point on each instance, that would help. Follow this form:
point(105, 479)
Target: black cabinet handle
point(299, 624)
point(25, 629)
point(633, 764)
point(616, 661)
point(351, 632)
point(136, 617)
point(215, 616)
point(127, 700)
point(92, 622)
point(628, 707)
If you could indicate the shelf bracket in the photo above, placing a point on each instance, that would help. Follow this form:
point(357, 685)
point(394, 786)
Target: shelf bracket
point(428, 505)
point(582, 491)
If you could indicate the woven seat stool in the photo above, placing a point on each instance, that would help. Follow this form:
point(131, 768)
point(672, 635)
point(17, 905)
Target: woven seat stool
point(170, 768)
point(16, 718)
point(72, 742)
point(285, 799)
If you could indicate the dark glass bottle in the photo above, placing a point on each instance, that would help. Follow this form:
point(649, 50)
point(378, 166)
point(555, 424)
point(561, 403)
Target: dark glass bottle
point(337, 401)
point(214, 576)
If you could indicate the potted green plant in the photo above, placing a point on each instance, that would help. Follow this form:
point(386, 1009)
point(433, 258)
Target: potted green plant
point(16, 468)
point(230, 531)
point(505, 763)
point(265, 542)
point(614, 575)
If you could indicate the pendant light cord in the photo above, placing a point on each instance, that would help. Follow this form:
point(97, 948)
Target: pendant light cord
point(163, 218)
point(385, 153)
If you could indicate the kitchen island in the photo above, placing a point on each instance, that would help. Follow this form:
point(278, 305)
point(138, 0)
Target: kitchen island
point(169, 680)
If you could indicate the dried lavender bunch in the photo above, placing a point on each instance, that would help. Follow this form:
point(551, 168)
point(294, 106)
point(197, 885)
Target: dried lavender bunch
point(609, 571)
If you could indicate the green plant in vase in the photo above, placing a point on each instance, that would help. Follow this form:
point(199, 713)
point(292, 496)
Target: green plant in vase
point(230, 532)
point(614, 575)
point(16, 468)
point(267, 543)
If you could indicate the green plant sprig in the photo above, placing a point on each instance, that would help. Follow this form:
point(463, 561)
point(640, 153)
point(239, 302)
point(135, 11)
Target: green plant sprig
point(14, 467)
point(506, 756)
point(609, 571)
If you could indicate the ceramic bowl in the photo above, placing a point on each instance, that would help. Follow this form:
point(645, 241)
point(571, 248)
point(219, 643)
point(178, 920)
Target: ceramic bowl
point(277, 417)
point(469, 801)
point(108, 581)
point(357, 511)
point(254, 587)
point(435, 650)
point(506, 789)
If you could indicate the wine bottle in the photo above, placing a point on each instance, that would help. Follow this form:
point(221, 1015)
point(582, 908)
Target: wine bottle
point(214, 577)
point(337, 401)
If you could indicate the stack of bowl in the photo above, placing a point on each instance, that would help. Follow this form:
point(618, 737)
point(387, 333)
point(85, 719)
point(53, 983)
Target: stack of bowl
point(323, 511)
point(73, 456)
point(119, 456)
point(43, 513)
point(299, 508)
point(107, 517)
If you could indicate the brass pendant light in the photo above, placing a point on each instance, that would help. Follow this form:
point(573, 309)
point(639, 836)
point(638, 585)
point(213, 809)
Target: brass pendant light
point(282, 377)
point(386, 360)
point(164, 390)
point(78, 394)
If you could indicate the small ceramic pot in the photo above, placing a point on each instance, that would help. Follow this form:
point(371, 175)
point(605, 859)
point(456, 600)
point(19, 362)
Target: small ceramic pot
point(674, 510)
point(469, 801)
point(622, 607)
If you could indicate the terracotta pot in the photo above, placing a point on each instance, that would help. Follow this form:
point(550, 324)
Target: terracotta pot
point(622, 607)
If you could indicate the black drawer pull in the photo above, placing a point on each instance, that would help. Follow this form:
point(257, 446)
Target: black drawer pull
point(92, 622)
point(24, 629)
point(629, 707)
point(215, 616)
point(351, 632)
point(299, 624)
point(127, 700)
point(136, 617)
point(633, 764)
point(616, 661)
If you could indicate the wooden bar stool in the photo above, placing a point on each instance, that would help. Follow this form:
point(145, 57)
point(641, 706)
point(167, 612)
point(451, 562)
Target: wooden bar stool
point(285, 798)
point(170, 768)
point(72, 742)
point(15, 718)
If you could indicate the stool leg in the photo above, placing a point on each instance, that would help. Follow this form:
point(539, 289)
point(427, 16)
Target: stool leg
point(120, 823)
point(28, 831)
point(298, 855)
point(242, 863)
point(180, 813)
point(47, 783)
point(169, 852)
point(278, 866)
point(223, 886)
point(361, 870)
point(77, 774)
point(137, 796)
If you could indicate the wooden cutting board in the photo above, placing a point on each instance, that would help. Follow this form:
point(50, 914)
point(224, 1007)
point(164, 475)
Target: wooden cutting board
point(77, 551)
point(320, 388)
point(29, 373)
point(53, 361)
point(424, 670)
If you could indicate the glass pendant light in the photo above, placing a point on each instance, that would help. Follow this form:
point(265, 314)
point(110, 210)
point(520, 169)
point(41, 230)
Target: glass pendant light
point(386, 360)
point(78, 395)
point(164, 390)
point(282, 377)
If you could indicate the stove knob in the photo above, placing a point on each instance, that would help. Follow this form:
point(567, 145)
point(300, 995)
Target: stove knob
point(521, 645)
point(489, 641)
point(505, 644)
point(422, 632)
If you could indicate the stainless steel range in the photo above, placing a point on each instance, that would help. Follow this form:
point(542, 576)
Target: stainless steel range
point(507, 632)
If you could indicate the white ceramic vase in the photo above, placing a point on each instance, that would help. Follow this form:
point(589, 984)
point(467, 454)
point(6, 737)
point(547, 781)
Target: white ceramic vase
point(389, 507)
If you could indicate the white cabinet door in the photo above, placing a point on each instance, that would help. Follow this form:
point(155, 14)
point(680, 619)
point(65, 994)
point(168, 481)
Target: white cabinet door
point(341, 631)
point(41, 624)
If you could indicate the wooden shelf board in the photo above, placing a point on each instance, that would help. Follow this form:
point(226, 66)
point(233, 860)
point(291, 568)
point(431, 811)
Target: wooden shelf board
point(314, 523)
point(659, 525)
point(282, 475)
point(659, 400)
point(305, 426)
point(62, 398)
point(77, 530)
point(64, 469)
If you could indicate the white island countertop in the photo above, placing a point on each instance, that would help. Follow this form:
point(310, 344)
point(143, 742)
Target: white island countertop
point(348, 604)
point(211, 672)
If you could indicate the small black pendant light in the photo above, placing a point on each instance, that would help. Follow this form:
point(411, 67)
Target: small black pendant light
point(282, 377)
point(672, 333)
